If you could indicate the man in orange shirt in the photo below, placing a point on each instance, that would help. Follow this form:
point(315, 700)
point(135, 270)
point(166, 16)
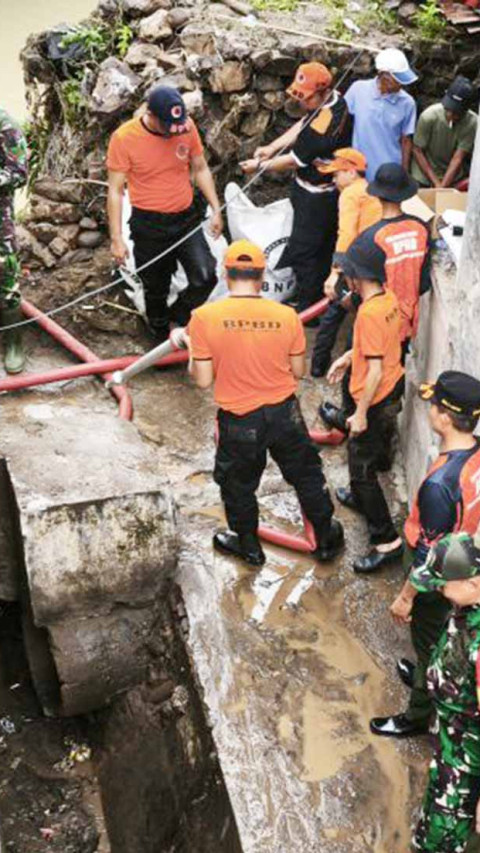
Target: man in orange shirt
point(155, 155)
point(253, 350)
point(357, 210)
point(373, 397)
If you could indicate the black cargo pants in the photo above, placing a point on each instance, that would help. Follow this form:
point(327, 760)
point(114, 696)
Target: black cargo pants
point(312, 242)
point(242, 456)
point(153, 233)
point(369, 453)
point(429, 615)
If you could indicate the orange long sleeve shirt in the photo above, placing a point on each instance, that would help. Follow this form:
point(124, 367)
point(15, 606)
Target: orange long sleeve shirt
point(356, 211)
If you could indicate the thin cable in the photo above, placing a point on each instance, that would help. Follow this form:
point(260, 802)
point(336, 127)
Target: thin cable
point(258, 174)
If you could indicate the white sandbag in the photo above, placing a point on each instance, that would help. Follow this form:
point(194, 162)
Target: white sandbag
point(269, 227)
point(132, 284)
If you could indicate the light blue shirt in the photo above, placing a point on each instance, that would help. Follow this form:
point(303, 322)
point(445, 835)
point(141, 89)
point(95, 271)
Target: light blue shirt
point(380, 121)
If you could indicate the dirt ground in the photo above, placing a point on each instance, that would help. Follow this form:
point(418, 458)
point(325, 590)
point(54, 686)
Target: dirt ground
point(293, 660)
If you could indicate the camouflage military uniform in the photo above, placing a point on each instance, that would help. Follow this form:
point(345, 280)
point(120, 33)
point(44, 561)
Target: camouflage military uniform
point(447, 817)
point(13, 174)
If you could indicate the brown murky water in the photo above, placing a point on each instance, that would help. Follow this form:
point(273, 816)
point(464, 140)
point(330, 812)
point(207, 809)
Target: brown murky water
point(19, 20)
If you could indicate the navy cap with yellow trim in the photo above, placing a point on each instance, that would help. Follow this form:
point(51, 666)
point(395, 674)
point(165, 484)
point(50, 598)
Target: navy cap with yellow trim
point(457, 392)
point(455, 557)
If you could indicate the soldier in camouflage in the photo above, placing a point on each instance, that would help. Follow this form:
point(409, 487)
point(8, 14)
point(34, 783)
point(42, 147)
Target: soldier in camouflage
point(451, 809)
point(13, 174)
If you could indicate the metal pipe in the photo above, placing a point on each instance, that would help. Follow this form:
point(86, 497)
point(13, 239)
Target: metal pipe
point(77, 348)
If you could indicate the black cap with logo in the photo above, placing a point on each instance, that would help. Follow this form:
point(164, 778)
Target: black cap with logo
point(459, 95)
point(392, 183)
point(456, 391)
point(167, 104)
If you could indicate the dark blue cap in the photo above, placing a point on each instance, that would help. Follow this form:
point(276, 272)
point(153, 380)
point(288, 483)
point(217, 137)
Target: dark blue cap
point(167, 105)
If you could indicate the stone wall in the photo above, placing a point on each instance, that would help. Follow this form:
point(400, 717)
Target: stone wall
point(448, 336)
point(232, 76)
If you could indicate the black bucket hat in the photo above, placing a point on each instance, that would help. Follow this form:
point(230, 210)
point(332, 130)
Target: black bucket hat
point(392, 183)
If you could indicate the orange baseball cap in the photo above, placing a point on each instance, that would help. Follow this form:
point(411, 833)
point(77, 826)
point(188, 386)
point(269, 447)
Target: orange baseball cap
point(309, 78)
point(345, 159)
point(243, 255)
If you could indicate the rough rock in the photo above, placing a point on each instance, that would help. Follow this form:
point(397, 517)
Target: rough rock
point(178, 81)
point(155, 27)
point(293, 109)
point(199, 40)
point(45, 232)
point(233, 46)
point(281, 65)
point(115, 88)
point(88, 224)
point(36, 66)
point(141, 8)
point(28, 246)
point(177, 18)
point(232, 76)
point(273, 100)
point(407, 11)
point(108, 9)
point(141, 53)
point(261, 58)
point(58, 247)
point(194, 103)
point(90, 239)
point(58, 190)
point(222, 142)
point(77, 256)
point(42, 210)
point(256, 123)
point(267, 83)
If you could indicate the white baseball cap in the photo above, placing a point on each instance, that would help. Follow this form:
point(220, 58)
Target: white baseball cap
point(395, 63)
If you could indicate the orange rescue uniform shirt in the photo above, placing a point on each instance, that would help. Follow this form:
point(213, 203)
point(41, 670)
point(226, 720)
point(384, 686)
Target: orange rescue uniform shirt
point(157, 167)
point(250, 340)
point(357, 210)
point(376, 334)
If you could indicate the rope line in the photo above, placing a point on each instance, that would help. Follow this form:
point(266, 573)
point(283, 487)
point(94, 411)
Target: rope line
point(245, 189)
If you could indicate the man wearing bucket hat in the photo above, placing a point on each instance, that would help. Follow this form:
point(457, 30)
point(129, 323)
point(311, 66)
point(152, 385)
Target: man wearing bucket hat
point(445, 137)
point(253, 350)
point(155, 155)
point(384, 114)
point(404, 242)
point(448, 501)
point(450, 816)
point(312, 141)
point(372, 382)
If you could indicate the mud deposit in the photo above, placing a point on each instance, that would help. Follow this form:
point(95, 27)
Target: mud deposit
point(292, 661)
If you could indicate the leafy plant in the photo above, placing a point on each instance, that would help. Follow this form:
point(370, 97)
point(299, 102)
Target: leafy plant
point(123, 39)
point(375, 15)
point(72, 99)
point(98, 42)
point(429, 21)
point(37, 135)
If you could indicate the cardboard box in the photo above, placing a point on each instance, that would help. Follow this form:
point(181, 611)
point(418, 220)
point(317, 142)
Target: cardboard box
point(429, 205)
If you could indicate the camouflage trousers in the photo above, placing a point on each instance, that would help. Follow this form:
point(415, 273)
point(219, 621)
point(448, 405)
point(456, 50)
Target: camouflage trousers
point(448, 811)
point(9, 263)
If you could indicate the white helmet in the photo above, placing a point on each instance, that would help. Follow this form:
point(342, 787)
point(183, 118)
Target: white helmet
point(395, 63)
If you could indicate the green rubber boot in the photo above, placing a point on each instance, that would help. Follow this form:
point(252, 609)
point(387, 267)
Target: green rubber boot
point(13, 350)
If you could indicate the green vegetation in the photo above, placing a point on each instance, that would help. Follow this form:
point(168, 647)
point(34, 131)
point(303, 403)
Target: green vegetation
point(98, 41)
point(276, 5)
point(37, 136)
point(429, 21)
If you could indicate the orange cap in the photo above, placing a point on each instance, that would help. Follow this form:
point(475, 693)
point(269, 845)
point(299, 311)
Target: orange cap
point(243, 255)
point(309, 78)
point(345, 159)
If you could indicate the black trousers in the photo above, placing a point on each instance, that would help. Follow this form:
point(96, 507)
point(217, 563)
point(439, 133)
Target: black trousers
point(242, 457)
point(369, 453)
point(312, 242)
point(152, 233)
point(330, 323)
point(429, 614)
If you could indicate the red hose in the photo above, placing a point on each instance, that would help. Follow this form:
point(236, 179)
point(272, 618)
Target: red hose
point(82, 352)
point(75, 371)
point(285, 540)
point(315, 310)
point(331, 436)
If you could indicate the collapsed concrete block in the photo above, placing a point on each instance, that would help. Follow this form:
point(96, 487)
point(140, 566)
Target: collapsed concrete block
point(98, 543)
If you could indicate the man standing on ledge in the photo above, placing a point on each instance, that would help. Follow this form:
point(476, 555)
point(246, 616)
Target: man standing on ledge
point(253, 350)
point(155, 156)
point(13, 174)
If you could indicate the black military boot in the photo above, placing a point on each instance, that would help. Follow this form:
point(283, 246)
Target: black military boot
point(333, 416)
point(329, 544)
point(246, 546)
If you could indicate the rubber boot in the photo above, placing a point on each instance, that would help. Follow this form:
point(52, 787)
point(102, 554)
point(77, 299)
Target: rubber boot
point(13, 350)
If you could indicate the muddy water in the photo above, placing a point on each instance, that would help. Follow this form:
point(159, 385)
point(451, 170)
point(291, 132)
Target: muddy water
point(19, 20)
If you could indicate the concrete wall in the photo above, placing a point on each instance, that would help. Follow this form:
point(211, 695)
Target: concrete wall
point(449, 333)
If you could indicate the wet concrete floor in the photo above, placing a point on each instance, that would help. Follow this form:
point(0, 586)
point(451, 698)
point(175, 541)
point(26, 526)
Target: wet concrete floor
point(293, 659)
